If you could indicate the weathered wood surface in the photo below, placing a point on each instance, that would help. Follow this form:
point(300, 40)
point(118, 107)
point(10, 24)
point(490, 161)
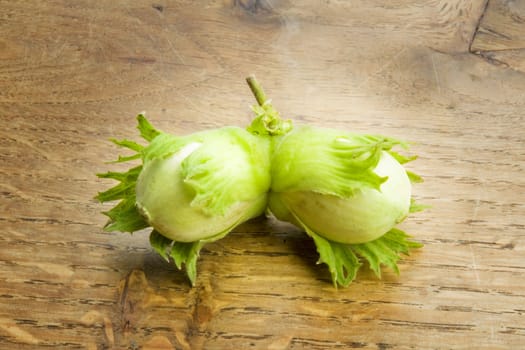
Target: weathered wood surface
point(73, 74)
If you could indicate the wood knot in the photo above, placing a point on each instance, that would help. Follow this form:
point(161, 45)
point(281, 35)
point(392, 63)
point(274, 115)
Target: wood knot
point(158, 7)
point(253, 6)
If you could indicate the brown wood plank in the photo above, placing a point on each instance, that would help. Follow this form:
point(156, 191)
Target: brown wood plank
point(73, 74)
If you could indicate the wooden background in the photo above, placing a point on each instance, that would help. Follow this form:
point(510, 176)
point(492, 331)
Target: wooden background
point(448, 75)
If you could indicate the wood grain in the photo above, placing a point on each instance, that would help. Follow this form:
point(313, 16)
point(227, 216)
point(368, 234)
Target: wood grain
point(445, 74)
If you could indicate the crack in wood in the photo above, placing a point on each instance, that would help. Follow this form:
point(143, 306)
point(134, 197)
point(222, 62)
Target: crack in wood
point(497, 39)
point(200, 314)
point(494, 33)
point(454, 327)
point(478, 24)
point(488, 56)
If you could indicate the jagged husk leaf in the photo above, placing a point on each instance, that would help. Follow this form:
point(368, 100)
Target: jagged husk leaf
point(329, 162)
point(125, 217)
point(344, 260)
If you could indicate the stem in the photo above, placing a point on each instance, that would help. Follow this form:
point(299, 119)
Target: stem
point(267, 121)
point(257, 90)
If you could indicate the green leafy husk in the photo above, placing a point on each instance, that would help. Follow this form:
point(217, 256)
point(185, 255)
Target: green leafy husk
point(345, 260)
point(125, 217)
point(182, 253)
point(340, 164)
point(337, 163)
point(358, 155)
